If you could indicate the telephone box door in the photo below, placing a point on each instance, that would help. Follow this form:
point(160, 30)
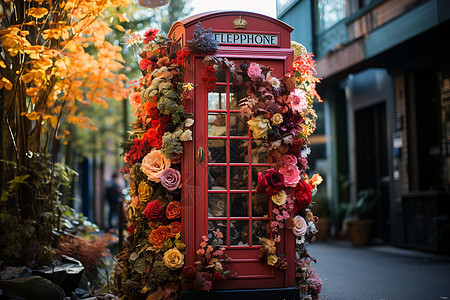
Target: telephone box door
point(226, 175)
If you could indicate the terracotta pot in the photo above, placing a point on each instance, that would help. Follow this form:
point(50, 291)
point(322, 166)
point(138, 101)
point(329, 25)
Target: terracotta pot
point(360, 232)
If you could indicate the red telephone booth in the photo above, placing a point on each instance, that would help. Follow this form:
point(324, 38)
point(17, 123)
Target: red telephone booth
point(223, 160)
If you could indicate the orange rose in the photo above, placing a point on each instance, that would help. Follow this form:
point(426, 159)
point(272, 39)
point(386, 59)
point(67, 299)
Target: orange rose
point(158, 236)
point(173, 210)
point(174, 228)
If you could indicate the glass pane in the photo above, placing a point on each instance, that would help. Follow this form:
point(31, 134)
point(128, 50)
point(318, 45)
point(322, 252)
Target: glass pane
point(239, 233)
point(260, 205)
point(217, 98)
point(221, 75)
point(238, 125)
point(217, 178)
point(255, 171)
point(238, 151)
point(217, 205)
point(217, 151)
point(236, 94)
point(239, 178)
point(260, 154)
point(222, 226)
point(260, 228)
point(217, 124)
point(238, 205)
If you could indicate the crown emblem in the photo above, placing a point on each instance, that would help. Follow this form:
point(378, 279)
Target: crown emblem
point(240, 23)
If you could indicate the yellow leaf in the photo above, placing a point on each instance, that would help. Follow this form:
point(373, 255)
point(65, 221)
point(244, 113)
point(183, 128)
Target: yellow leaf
point(38, 12)
point(2, 64)
point(120, 28)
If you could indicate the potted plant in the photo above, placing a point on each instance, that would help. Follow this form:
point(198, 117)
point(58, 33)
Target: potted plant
point(359, 217)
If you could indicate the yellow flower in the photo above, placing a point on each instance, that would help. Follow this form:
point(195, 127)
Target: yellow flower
point(315, 180)
point(259, 126)
point(280, 198)
point(173, 259)
point(272, 260)
point(277, 119)
point(144, 191)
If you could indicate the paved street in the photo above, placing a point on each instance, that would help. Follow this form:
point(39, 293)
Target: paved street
point(380, 272)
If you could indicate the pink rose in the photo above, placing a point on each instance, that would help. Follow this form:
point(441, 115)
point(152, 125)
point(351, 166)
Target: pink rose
point(291, 175)
point(298, 100)
point(170, 179)
point(135, 99)
point(254, 71)
point(153, 164)
point(289, 160)
point(300, 226)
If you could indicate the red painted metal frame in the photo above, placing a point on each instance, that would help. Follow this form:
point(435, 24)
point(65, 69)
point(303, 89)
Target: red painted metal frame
point(192, 190)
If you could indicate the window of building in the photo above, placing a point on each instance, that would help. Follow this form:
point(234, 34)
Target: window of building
point(329, 12)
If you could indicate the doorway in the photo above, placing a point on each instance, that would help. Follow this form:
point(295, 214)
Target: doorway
point(372, 164)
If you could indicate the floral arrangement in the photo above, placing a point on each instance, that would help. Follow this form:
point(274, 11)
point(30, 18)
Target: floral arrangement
point(202, 40)
point(150, 265)
point(208, 271)
point(280, 112)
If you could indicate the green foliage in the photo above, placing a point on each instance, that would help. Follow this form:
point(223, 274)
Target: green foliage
point(363, 208)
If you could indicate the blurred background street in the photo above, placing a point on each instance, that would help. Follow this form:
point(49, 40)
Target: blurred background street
point(380, 272)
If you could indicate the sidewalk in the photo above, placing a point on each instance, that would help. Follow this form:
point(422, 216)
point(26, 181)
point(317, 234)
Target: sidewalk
point(380, 272)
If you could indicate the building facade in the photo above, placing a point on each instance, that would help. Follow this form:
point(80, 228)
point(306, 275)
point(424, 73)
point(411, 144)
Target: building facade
point(385, 68)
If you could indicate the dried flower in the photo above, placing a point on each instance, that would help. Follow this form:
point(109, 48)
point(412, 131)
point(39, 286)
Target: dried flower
point(173, 259)
point(154, 210)
point(300, 226)
point(173, 210)
point(259, 126)
point(153, 164)
point(158, 236)
point(170, 179)
point(280, 198)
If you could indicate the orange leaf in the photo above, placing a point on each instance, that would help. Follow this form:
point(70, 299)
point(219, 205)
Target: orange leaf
point(38, 12)
point(5, 83)
point(123, 18)
point(27, 77)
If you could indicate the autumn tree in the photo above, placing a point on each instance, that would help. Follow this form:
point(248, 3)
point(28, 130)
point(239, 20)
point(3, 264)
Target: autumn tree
point(48, 78)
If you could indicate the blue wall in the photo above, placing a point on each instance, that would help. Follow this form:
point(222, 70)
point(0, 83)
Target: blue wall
point(299, 16)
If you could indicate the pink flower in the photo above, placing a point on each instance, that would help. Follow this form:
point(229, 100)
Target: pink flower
point(300, 226)
point(207, 286)
point(170, 179)
point(286, 214)
point(135, 99)
point(298, 100)
point(289, 160)
point(254, 71)
point(153, 164)
point(291, 175)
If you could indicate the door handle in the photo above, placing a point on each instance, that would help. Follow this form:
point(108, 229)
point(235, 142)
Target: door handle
point(200, 155)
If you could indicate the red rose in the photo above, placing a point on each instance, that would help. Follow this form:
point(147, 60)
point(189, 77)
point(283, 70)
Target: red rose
point(270, 182)
point(303, 195)
point(154, 210)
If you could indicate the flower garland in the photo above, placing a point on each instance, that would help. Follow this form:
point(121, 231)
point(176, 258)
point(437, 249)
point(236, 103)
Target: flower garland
point(280, 112)
point(153, 257)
